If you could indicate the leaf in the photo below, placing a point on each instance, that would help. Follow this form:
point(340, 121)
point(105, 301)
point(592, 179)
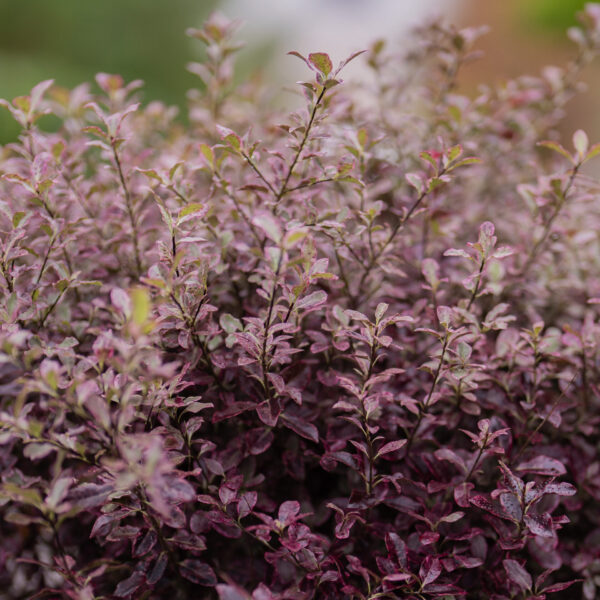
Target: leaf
point(312, 300)
point(301, 427)
point(232, 592)
point(146, 544)
point(452, 457)
point(580, 143)
point(197, 572)
point(321, 62)
point(556, 147)
point(158, 569)
point(561, 489)
point(430, 570)
point(121, 301)
point(190, 209)
point(543, 465)
point(452, 517)
point(288, 512)
point(559, 587)
point(390, 447)
point(128, 586)
point(232, 139)
point(517, 574)
point(246, 504)
point(269, 224)
point(140, 300)
point(540, 525)
point(510, 503)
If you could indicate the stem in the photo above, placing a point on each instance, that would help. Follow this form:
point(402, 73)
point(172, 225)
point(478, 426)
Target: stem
point(543, 421)
point(313, 114)
point(263, 353)
point(259, 173)
point(548, 226)
point(397, 228)
point(423, 410)
point(44, 262)
point(129, 207)
point(477, 284)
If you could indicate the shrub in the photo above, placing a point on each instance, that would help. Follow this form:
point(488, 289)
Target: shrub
point(350, 352)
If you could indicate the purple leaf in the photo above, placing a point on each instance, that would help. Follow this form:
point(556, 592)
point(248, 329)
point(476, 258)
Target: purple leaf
point(288, 512)
point(559, 587)
point(128, 586)
point(391, 447)
point(232, 592)
point(301, 427)
point(198, 572)
point(543, 465)
point(430, 570)
point(517, 574)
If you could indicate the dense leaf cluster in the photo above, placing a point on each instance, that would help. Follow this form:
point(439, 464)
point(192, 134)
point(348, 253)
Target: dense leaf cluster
point(350, 352)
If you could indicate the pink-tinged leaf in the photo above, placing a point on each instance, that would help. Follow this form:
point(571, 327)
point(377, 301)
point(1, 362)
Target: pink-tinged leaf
point(158, 569)
point(512, 481)
point(543, 465)
point(230, 138)
point(398, 577)
point(540, 525)
point(321, 62)
point(510, 503)
point(429, 537)
point(301, 427)
point(121, 301)
point(517, 574)
point(559, 587)
point(349, 59)
point(197, 572)
point(430, 570)
point(452, 457)
point(145, 545)
point(452, 517)
point(246, 504)
point(128, 586)
point(561, 489)
point(298, 55)
point(232, 592)
point(391, 447)
point(312, 300)
point(487, 505)
point(461, 494)
point(345, 524)
point(458, 252)
point(468, 562)
point(179, 491)
point(556, 147)
point(580, 143)
point(397, 549)
point(270, 225)
point(288, 511)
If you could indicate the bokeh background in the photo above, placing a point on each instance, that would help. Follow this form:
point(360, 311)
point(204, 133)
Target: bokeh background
point(72, 40)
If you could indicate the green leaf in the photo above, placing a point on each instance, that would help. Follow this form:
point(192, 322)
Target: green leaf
point(17, 218)
point(556, 147)
point(269, 225)
point(208, 154)
point(190, 209)
point(141, 305)
point(580, 143)
point(321, 62)
point(230, 138)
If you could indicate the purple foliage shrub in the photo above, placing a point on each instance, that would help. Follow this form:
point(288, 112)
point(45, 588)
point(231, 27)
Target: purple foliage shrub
point(349, 352)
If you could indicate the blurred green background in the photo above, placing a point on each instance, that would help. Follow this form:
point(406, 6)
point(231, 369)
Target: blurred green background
point(72, 40)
